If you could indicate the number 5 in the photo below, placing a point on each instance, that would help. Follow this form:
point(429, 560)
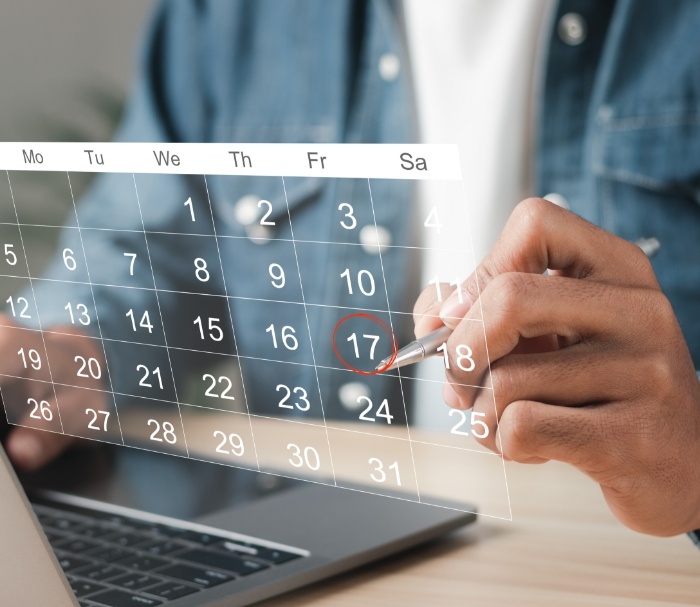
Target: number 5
point(10, 256)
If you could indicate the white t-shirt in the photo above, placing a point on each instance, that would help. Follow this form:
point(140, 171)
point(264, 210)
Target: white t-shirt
point(474, 63)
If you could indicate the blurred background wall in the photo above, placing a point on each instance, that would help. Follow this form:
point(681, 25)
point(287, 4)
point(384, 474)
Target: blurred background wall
point(60, 62)
point(65, 70)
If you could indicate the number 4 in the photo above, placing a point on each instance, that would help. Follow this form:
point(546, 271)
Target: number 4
point(433, 220)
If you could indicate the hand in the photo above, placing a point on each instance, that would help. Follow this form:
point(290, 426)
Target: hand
point(588, 364)
point(28, 364)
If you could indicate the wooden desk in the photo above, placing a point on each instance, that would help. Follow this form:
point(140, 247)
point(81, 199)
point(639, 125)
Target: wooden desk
point(562, 549)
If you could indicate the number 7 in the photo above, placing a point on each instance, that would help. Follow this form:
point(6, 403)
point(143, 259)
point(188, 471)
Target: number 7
point(131, 265)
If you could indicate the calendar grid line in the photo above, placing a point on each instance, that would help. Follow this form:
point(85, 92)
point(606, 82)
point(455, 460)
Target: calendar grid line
point(241, 297)
point(230, 316)
point(488, 362)
point(94, 303)
point(297, 420)
point(308, 327)
point(291, 421)
point(160, 313)
point(234, 237)
point(277, 473)
point(391, 324)
point(211, 367)
point(245, 357)
point(31, 285)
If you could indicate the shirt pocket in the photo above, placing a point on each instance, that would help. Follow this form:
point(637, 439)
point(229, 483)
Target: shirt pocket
point(656, 150)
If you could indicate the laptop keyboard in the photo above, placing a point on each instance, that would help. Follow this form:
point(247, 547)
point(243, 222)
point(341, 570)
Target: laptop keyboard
point(118, 561)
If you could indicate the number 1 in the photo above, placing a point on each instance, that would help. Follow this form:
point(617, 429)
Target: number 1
point(188, 203)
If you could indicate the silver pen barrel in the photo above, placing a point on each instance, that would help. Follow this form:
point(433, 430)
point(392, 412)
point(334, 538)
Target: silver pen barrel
point(418, 349)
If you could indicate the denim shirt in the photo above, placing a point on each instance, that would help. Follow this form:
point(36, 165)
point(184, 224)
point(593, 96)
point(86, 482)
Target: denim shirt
point(619, 134)
point(619, 138)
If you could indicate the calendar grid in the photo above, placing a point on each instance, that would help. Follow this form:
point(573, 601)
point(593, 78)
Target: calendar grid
point(391, 324)
point(326, 425)
point(261, 299)
point(244, 357)
point(234, 237)
point(488, 358)
point(31, 285)
point(160, 314)
point(97, 318)
point(308, 328)
point(230, 316)
point(318, 406)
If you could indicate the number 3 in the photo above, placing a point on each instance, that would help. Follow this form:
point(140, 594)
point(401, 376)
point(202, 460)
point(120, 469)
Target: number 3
point(349, 215)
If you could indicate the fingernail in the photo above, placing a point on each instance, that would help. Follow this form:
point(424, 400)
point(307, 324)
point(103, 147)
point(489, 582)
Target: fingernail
point(425, 324)
point(26, 449)
point(454, 308)
point(451, 397)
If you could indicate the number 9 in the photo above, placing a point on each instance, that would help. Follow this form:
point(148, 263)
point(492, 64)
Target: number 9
point(276, 272)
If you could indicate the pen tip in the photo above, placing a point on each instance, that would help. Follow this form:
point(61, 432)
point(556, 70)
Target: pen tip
point(381, 366)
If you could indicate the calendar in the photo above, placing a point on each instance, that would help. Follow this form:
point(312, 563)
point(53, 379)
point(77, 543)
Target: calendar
point(231, 303)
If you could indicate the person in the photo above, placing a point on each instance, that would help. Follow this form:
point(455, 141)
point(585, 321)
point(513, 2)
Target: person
point(593, 362)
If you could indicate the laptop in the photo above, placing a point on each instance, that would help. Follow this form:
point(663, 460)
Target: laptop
point(66, 548)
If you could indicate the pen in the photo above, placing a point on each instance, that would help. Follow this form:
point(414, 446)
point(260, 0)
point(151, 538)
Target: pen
point(428, 345)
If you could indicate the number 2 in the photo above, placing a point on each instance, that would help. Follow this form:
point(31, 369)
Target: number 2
point(263, 219)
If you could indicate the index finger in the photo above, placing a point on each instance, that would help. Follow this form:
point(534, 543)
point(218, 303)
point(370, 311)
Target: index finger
point(541, 236)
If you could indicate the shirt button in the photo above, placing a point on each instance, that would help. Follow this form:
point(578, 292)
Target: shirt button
point(558, 199)
point(572, 29)
point(349, 393)
point(246, 210)
point(375, 239)
point(389, 67)
point(258, 234)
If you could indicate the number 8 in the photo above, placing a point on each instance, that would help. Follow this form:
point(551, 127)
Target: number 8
point(465, 353)
point(201, 269)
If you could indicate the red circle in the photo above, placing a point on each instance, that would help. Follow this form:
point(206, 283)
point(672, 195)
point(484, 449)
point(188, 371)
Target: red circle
point(385, 327)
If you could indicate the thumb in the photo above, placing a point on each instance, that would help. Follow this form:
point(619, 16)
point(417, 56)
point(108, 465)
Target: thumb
point(532, 432)
point(31, 449)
